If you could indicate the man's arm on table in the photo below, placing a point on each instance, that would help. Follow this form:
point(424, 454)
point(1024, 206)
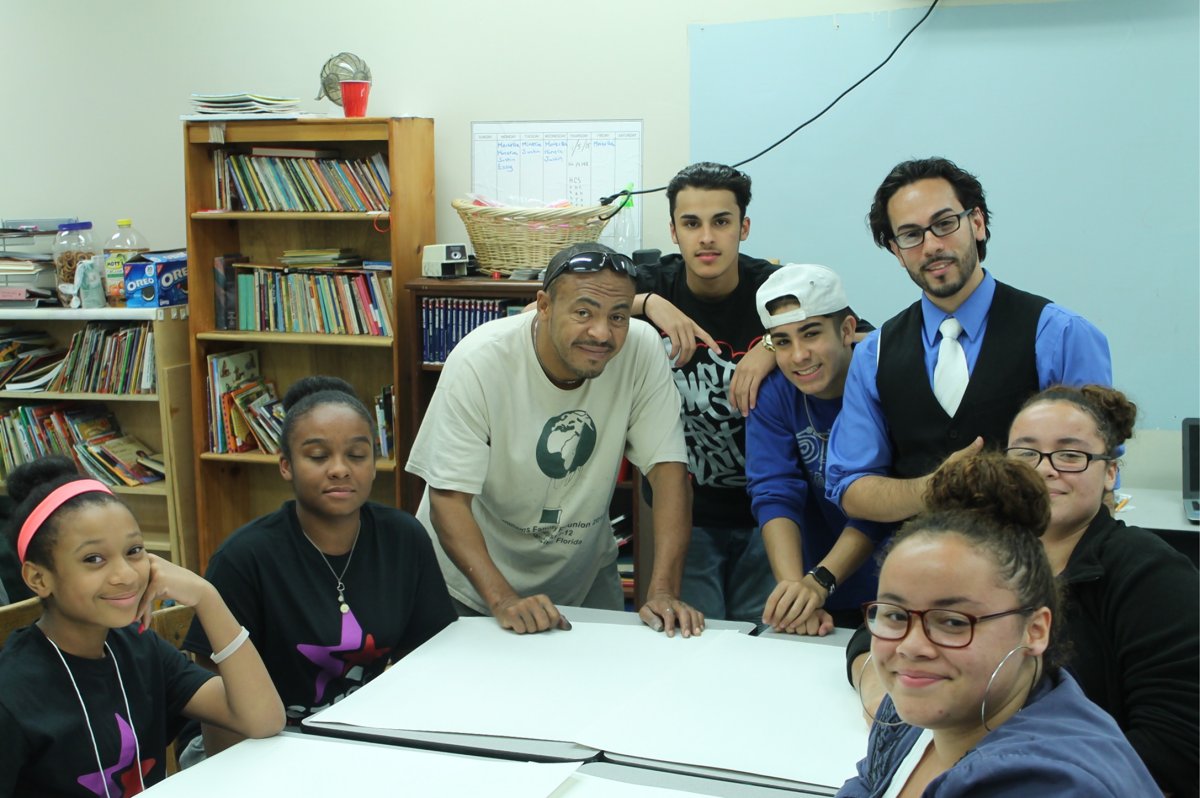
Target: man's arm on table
point(795, 605)
point(672, 515)
point(460, 536)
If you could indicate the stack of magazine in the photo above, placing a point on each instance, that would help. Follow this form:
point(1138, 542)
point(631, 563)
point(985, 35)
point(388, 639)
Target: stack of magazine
point(244, 103)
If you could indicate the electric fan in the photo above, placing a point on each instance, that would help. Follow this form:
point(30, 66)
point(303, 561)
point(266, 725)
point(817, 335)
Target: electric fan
point(343, 66)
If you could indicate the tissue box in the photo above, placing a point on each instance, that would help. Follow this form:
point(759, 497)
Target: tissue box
point(156, 279)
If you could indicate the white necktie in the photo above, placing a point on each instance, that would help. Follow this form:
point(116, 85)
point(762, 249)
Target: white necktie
point(950, 374)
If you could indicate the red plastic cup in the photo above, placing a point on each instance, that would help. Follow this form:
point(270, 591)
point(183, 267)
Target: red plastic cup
point(354, 97)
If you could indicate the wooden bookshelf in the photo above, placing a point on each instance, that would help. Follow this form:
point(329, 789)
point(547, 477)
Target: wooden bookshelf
point(423, 378)
point(232, 489)
point(165, 510)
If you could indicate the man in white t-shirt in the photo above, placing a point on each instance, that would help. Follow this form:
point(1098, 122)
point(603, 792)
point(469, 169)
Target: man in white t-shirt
point(521, 445)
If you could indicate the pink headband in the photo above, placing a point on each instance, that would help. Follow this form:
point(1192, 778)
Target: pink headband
point(51, 503)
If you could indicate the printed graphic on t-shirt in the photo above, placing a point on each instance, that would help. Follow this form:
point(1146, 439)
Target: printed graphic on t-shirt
point(712, 426)
point(812, 456)
point(565, 445)
point(348, 660)
point(121, 779)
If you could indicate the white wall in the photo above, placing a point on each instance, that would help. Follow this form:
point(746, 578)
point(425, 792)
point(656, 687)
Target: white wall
point(93, 89)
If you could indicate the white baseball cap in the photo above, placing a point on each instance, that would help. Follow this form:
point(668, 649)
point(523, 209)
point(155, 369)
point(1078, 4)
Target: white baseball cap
point(817, 289)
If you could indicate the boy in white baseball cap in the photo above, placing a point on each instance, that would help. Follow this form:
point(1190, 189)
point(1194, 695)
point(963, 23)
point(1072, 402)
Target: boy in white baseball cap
point(817, 555)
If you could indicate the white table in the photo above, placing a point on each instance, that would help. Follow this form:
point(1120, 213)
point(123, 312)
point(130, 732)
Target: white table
point(535, 750)
point(302, 765)
point(1155, 508)
point(1161, 511)
point(724, 705)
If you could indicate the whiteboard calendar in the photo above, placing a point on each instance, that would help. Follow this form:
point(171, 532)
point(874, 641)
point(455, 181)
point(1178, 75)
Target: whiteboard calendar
point(533, 164)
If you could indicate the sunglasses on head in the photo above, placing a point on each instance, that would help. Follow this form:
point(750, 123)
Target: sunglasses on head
point(590, 262)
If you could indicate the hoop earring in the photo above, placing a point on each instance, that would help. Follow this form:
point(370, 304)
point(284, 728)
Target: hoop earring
point(988, 689)
point(874, 717)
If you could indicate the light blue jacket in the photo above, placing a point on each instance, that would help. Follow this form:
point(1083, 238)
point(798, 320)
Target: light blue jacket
point(1059, 745)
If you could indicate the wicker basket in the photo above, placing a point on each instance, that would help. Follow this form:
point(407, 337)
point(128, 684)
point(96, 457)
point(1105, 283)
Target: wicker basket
point(508, 238)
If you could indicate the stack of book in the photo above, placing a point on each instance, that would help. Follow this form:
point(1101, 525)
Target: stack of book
point(294, 179)
point(244, 411)
point(244, 103)
point(320, 258)
point(445, 320)
point(29, 359)
point(331, 301)
point(385, 422)
point(107, 358)
point(89, 434)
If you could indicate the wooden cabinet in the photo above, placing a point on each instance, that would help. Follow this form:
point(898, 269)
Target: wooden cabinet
point(424, 376)
point(232, 489)
point(165, 510)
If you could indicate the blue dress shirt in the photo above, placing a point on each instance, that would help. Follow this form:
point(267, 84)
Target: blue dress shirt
point(1068, 349)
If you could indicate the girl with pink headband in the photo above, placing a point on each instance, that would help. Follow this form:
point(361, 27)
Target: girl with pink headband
point(89, 698)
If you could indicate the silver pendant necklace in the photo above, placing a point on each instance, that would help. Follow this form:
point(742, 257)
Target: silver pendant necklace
point(341, 585)
point(137, 747)
point(823, 437)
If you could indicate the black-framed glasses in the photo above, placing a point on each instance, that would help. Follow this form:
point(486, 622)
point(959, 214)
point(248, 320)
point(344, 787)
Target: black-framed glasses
point(943, 227)
point(945, 628)
point(1066, 460)
point(588, 262)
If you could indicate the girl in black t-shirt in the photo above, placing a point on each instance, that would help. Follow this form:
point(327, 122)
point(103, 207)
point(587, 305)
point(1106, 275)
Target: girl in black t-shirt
point(332, 587)
point(87, 700)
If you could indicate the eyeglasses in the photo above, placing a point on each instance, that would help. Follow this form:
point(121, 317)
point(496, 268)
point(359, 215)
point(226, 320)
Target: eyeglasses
point(588, 262)
point(1066, 460)
point(945, 628)
point(943, 227)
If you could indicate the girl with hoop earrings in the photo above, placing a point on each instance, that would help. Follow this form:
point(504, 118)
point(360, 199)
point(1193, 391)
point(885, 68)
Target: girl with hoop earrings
point(88, 701)
point(963, 640)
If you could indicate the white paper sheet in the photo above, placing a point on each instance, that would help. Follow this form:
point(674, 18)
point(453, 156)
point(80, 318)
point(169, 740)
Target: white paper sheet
point(723, 700)
point(581, 785)
point(292, 764)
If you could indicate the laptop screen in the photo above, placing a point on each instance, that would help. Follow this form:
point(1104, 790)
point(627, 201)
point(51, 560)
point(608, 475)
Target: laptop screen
point(1191, 458)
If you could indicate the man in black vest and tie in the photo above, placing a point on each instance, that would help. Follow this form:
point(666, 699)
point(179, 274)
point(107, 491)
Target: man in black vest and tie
point(947, 375)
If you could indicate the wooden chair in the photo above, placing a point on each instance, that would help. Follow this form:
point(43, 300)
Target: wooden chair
point(18, 616)
point(172, 624)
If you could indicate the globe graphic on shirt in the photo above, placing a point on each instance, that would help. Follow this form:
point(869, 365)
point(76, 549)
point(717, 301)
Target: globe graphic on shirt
point(566, 443)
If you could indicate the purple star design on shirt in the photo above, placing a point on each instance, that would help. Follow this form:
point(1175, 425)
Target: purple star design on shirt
point(322, 656)
point(95, 782)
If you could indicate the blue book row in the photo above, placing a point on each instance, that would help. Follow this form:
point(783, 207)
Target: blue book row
point(445, 320)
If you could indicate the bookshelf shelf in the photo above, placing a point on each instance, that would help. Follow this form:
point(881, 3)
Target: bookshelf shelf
point(232, 489)
point(384, 464)
point(58, 396)
point(298, 339)
point(165, 510)
point(292, 216)
point(149, 489)
point(37, 315)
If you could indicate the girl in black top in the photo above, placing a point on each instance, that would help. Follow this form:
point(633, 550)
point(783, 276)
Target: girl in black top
point(332, 587)
point(88, 700)
point(1131, 611)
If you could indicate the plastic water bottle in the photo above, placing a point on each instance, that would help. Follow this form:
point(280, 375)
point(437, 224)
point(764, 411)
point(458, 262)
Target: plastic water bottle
point(624, 227)
point(123, 245)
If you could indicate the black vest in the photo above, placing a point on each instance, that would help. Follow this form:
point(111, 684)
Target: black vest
point(1005, 375)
